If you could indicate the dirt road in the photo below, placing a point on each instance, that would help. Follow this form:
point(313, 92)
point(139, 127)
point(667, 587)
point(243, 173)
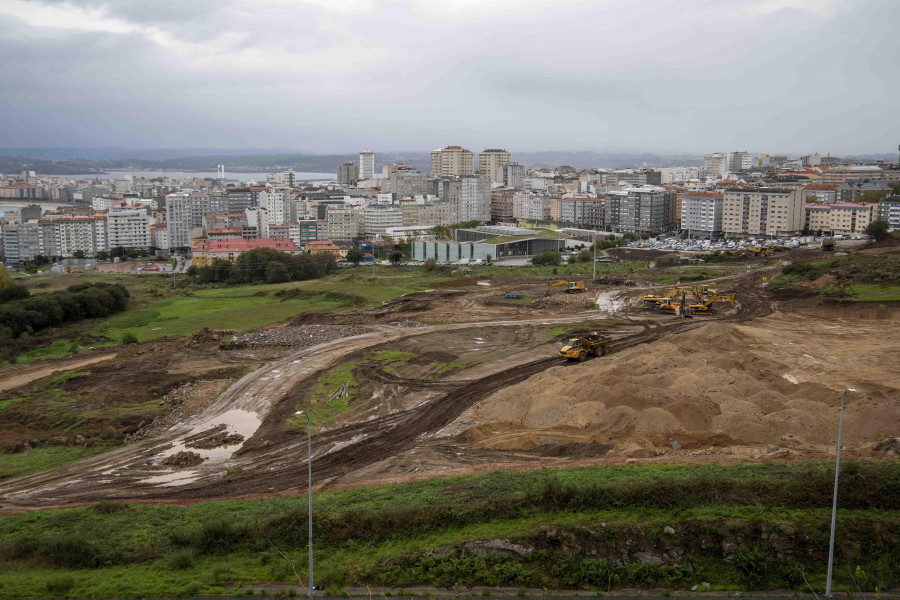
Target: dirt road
point(18, 375)
point(264, 464)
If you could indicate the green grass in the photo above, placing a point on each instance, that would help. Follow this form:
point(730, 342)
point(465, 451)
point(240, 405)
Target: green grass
point(383, 535)
point(322, 411)
point(862, 292)
point(58, 349)
point(229, 308)
point(41, 458)
point(562, 329)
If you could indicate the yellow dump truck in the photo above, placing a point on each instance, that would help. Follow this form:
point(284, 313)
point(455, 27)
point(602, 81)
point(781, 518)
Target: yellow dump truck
point(580, 348)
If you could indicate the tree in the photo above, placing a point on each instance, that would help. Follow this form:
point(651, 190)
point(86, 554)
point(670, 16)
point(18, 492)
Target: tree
point(192, 271)
point(585, 256)
point(355, 255)
point(102, 255)
point(630, 236)
point(550, 257)
point(78, 254)
point(5, 278)
point(395, 257)
point(877, 230)
point(488, 258)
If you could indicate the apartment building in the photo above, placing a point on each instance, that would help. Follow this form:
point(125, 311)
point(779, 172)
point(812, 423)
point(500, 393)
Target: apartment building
point(21, 243)
point(409, 183)
point(469, 197)
point(63, 235)
point(452, 160)
point(343, 222)
point(583, 211)
point(840, 218)
point(377, 219)
point(769, 212)
point(529, 206)
point(701, 214)
point(823, 193)
point(889, 210)
point(178, 219)
point(852, 190)
point(490, 161)
point(278, 202)
point(348, 173)
point(838, 175)
point(205, 253)
point(502, 204)
point(366, 164)
point(129, 228)
point(641, 210)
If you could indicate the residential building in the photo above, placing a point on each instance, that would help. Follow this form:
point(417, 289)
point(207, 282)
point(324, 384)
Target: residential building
point(178, 219)
point(589, 212)
point(406, 183)
point(327, 246)
point(715, 164)
point(513, 176)
point(128, 228)
point(64, 235)
point(840, 218)
point(502, 204)
point(348, 173)
point(377, 219)
point(638, 210)
point(529, 206)
point(889, 210)
point(278, 202)
point(469, 197)
point(490, 161)
point(343, 222)
point(366, 164)
point(701, 214)
point(452, 160)
point(21, 243)
point(207, 252)
point(738, 161)
point(852, 190)
point(823, 193)
point(769, 212)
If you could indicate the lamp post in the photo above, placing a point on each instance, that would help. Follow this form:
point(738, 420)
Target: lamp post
point(594, 243)
point(837, 471)
point(309, 489)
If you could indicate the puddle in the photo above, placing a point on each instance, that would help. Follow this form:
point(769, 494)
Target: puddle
point(243, 422)
point(172, 479)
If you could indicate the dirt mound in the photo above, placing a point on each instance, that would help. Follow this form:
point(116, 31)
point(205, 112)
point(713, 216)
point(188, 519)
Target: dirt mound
point(734, 388)
point(183, 459)
point(213, 438)
point(567, 301)
point(609, 280)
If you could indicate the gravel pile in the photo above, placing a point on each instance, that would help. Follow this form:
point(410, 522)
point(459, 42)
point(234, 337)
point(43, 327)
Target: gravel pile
point(183, 459)
point(572, 301)
point(213, 438)
point(298, 336)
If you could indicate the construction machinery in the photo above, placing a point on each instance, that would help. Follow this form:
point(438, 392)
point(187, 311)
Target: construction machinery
point(700, 292)
point(654, 301)
point(572, 287)
point(580, 348)
point(706, 307)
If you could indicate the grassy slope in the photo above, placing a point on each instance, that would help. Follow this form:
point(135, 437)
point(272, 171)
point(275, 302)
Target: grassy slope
point(382, 535)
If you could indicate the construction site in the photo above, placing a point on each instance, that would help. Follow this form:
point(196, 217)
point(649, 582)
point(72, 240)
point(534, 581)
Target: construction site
point(473, 375)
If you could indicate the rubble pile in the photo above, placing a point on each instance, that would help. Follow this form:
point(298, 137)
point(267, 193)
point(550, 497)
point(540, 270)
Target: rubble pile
point(300, 336)
point(183, 459)
point(608, 280)
point(568, 301)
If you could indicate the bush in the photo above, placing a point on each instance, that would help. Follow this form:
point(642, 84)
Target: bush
point(129, 338)
point(548, 258)
point(430, 264)
point(181, 559)
point(59, 585)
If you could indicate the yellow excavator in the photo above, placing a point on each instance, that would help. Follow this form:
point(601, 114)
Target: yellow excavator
point(700, 292)
point(706, 307)
point(572, 287)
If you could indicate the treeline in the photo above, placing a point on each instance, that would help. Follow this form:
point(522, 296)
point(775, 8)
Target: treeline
point(21, 313)
point(265, 265)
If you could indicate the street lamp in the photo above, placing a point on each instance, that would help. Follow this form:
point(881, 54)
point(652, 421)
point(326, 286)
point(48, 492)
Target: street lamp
point(837, 470)
point(309, 489)
point(594, 240)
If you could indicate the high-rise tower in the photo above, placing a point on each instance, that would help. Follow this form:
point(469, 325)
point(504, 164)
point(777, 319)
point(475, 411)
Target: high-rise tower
point(366, 164)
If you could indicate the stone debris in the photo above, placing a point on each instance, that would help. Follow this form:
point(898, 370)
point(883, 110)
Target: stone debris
point(563, 300)
point(300, 336)
point(607, 280)
point(183, 459)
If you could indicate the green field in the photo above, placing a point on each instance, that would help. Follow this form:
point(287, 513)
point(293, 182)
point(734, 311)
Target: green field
point(771, 519)
point(41, 458)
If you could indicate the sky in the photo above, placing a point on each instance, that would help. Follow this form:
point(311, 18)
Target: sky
point(674, 76)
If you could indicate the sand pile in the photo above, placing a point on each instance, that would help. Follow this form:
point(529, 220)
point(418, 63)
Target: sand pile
point(745, 388)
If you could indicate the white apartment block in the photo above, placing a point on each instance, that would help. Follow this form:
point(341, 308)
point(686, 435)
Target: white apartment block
point(762, 212)
point(715, 164)
point(100, 204)
point(21, 243)
point(701, 214)
point(65, 235)
point(378, 219)
point(470, 199)
point(278, 202)
point(889, 210)
point(528, 206)
point(452, 160)
point(178, 219)
point(433, 214)
point(128, 229)
point(366, 164)
point(490, 161)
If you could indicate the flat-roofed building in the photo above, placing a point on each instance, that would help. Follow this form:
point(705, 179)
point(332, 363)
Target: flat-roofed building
point(452, 160)
point(701, 214)
point(207, 252)
point(839, 175)
point(490, 161)
point(840, 218)
point(770, 212)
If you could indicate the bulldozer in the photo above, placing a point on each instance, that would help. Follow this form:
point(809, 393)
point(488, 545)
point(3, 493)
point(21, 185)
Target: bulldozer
point(572, 287)
point(706, 307)
point(580, 348)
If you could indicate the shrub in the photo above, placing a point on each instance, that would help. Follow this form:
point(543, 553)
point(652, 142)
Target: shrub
point(59, 585)
point(550, 257)
point(129, 338)
point(181, 559)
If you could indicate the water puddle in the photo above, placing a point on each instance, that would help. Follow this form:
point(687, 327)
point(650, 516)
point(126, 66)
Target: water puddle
point(172, 479)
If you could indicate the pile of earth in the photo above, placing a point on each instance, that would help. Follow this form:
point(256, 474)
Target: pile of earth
point(213, 438)
point(183, 459)
point(300, 336)
point(731, 388)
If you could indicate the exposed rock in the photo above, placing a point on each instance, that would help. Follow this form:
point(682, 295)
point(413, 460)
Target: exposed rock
point(648, 558)
point(889, 445)
point(486, 548)
point(674, 445)
point(668, 530)
point(213, 438)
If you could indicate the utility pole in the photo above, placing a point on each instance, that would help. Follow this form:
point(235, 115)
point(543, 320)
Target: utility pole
point(837, 472)
point(594, 240)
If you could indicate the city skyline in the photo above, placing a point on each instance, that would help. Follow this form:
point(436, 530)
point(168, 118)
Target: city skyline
point(791, 77)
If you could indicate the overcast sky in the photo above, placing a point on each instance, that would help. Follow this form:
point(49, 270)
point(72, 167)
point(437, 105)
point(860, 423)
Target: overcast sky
point(343, 75)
